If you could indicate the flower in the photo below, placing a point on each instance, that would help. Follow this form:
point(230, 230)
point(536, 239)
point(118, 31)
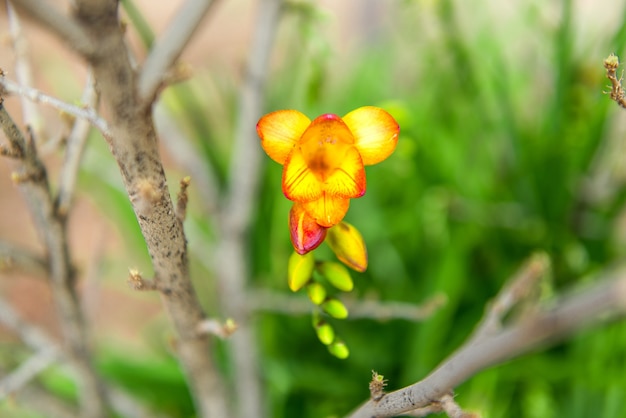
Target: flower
point(324, 162)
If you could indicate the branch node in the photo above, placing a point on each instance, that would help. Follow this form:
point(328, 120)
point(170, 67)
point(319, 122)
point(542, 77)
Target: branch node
point(215, 327)
point(611, 63)
point(183, 199)
point(377, 386)
point(137, 282)
point(146, 195)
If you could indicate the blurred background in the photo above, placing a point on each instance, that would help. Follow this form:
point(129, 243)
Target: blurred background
point(508, 146)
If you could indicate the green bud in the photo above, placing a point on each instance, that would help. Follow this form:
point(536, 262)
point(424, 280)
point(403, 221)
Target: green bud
point(337, 274)
point(299, 270)
point(339, 349)
point(325, 333)
point(316, 292)
point(335, 308)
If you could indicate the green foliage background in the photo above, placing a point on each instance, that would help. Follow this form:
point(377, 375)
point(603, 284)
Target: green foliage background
point(507, 147)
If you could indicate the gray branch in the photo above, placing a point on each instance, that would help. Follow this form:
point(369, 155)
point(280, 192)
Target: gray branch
point(169, 46)
point(605, 300)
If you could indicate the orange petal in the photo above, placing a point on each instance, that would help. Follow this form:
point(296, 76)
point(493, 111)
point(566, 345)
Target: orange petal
point(348, 179)
point(300, 184)
point(280, 131)
point(375, 132)
point(327, 210)
point(348, 245)
point(306, 234)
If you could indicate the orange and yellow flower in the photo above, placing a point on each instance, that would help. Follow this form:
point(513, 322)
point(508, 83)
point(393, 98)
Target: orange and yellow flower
point(324, 163)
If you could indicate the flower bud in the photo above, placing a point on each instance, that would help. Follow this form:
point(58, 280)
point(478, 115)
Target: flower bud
point(339, 349)
point(325, 333)
point(335, 308)
point(306, 234)
point(348, 245)
point(316, 292)
point(299, 270)
point(337, 275)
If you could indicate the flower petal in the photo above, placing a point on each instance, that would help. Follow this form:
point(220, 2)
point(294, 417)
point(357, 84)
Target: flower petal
point(280, 131)
point(375, 132)
point(328, 210)
point(348, 179)
point(300, 184)
point(306, 234)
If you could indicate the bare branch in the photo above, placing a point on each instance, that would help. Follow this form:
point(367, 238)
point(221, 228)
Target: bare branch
point(33, 182)
point(231, 258)
point(276, 302)
point(134, 145)
point(27, 371)
point(87, 113)
point(13, 257)
point(59, 24)
point(180, 148)
point(49, 405)
point(169, 46)
point(606, 299)
point(74, 150)
point(516, 289)
point(23, 70)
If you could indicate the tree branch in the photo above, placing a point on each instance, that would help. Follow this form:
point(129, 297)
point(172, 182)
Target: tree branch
point(606, 299)
point(276, 302)
point(169, 46)
point(58, 24)
point(13, 257)
point(27, 371)
point(74, 150)
point(23, 70)
point(231, 258)
point(8, 87)
point(134, 145)
point(50, 351)
point(33, 181)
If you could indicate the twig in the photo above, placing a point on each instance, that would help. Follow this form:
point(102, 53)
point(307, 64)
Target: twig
point(606, 299)
point(23, 70)
point(231, 258)
point(169, 47)
point(617, 92)
point(13, 257)
point(88, 113)
point(74, 150)
point(33, 181)
point(516, 289)
point(275, 302)
point(27, 371)
point(39, 342)
point(59, 24)
point(51, 406)
point(180, 148)
point(137, 282)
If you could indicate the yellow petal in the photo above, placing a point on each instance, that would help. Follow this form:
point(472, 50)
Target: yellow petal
point(348, 245)
point(327, 210)
point(306, 234)
point(300, 184)
point(280, 131)
point(375, 133)
point(348, 179)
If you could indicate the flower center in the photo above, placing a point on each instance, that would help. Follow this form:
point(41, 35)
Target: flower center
point(324, 145)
